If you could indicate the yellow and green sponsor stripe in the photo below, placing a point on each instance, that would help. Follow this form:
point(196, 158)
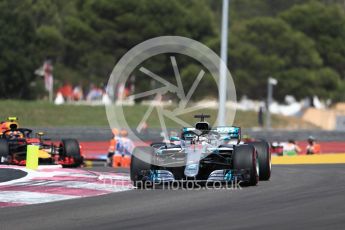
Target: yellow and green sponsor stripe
point(32, 157)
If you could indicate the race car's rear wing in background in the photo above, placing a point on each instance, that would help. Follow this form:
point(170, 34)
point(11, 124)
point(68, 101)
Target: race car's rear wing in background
point(229, 132)
point(226, 133)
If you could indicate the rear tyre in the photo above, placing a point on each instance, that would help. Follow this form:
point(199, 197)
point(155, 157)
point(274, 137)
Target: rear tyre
point(4, 151)
point(264, 156)
point(245, 157)
point(70, 148)
point(141, 161)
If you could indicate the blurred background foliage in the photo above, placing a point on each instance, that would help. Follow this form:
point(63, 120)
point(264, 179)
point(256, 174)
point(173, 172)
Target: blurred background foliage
point(299, 42)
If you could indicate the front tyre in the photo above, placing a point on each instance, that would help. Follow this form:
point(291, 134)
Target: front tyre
point(70, 149)
point(264, 156)
point(245, 157)
point(4, 151)
point(140, 162)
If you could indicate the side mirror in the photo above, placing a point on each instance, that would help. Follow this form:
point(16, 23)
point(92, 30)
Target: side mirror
point(174, 139)
point(226, 138)
point(40, 135)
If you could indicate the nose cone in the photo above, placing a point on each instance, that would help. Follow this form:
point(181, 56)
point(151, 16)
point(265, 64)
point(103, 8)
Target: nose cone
point(191, 170)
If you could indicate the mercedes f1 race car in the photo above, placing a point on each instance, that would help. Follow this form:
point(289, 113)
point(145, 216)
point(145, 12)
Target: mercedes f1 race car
point(14, 142)
point(202, 154)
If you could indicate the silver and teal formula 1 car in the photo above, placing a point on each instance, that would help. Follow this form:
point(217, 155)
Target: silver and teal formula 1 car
point(202, 154)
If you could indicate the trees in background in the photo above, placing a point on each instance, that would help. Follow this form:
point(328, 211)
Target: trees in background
point(299, 42)
point(302, 47)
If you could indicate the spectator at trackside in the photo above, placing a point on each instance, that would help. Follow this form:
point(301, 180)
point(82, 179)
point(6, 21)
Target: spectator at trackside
point(125, 146)
point(112, 146)
point(67, 91)
point(95, 93)
point(312, 146)
point(291, 148)
point(78, 93)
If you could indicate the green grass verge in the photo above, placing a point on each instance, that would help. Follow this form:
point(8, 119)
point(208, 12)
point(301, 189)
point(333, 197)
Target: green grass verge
point(43, 114)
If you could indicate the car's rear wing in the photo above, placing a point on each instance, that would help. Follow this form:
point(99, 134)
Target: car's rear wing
point(229, 132)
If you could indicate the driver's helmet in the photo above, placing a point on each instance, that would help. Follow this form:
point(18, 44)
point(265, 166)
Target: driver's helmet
point(7, 125)
point(9, 129)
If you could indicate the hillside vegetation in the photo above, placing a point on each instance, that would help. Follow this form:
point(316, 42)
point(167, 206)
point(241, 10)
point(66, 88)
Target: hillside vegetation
point(43, 114)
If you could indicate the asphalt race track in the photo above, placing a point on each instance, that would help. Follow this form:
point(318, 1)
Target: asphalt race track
point(11, 174)
point(297, 197)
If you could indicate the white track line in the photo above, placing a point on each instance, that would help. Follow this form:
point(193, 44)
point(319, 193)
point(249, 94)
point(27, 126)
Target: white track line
point(31, 197)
